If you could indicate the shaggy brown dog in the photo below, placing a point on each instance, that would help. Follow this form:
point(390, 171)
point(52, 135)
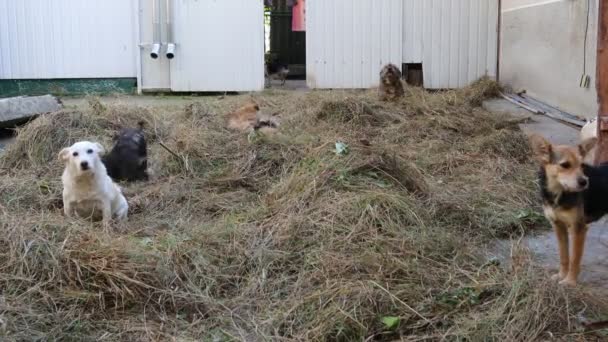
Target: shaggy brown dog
point(391, 87)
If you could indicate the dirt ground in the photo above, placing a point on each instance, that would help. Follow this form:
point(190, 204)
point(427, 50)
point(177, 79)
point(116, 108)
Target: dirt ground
point(248, 237)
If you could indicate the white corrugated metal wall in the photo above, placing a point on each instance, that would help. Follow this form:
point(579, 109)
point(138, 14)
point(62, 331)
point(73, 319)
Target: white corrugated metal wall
point(220, 45)
point(455, 40)
point(212, 53)
point(348, 41)
point(67, 39)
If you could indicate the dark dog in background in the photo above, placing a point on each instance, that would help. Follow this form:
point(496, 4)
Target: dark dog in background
point(391, 87)
point(276, 70)
point(128, 160)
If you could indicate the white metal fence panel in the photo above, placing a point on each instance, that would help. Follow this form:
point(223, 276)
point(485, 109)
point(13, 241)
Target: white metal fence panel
point(348, 41)
point(42, 39)
point(220, 45)
point(155, 73)
point(455, 40)
point(413, 11)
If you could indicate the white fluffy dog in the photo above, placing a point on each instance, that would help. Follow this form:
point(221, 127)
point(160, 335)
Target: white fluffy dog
point(88, 191)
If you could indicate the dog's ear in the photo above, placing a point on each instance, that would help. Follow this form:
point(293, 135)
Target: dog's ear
point(398, 72)
point(587, 145)
point(384, 71)
point(64, 155)
point(100, 149)
point(541, 148)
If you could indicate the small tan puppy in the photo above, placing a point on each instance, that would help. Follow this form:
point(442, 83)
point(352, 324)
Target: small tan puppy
point(248, 118)
point(243, 118)
point(88, 191)
point(391, 87)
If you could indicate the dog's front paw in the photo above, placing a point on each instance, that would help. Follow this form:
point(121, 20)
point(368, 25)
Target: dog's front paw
point(106, 224)
point(558, 276)
point(67, 210)
point(568, 282)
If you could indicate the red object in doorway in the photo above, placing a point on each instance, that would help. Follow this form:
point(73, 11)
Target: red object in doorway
point(298, 22)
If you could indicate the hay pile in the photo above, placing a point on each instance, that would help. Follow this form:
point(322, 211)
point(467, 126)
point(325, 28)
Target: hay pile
point(280, 238)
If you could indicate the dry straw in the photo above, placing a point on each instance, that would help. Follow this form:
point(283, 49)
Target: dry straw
point(280, 238)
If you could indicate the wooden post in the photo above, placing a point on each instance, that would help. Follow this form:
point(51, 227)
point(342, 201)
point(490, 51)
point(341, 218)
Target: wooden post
point(602, 82)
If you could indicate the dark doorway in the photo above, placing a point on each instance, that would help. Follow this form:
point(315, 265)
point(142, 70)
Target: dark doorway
point(6, 137)
point(412, 73)
point(286, 46)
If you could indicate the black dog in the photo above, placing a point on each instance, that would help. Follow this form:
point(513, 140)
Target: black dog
point(128, 160)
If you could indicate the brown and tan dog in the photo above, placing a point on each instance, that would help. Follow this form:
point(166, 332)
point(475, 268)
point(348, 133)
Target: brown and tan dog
point(243, 118)
point(574, 195)
point(391, 87)
point(248, 118)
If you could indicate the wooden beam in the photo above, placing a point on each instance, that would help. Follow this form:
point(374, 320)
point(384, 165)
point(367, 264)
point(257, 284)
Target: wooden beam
point(602, 82)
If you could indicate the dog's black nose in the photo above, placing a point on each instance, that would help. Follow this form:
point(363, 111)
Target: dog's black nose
point(84, 165)
point(582, 182)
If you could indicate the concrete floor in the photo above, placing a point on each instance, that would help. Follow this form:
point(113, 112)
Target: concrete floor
point(169, 101)
point(299, 85)
point(555, 131)
point(544, 246)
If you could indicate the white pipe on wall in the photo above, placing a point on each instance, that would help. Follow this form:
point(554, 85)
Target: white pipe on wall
point(155, 52)
point(170, 50)
point(137, 18)
point(170, 44)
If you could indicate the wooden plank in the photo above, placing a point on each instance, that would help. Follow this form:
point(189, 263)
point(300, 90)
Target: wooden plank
point(539, 108)
point(602, 82)
point(520, 104)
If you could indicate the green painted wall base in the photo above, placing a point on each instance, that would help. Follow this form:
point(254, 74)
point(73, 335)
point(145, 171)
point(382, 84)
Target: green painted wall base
point(63, 87)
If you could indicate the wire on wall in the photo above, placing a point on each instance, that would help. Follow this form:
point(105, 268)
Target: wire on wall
point(585, 79)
